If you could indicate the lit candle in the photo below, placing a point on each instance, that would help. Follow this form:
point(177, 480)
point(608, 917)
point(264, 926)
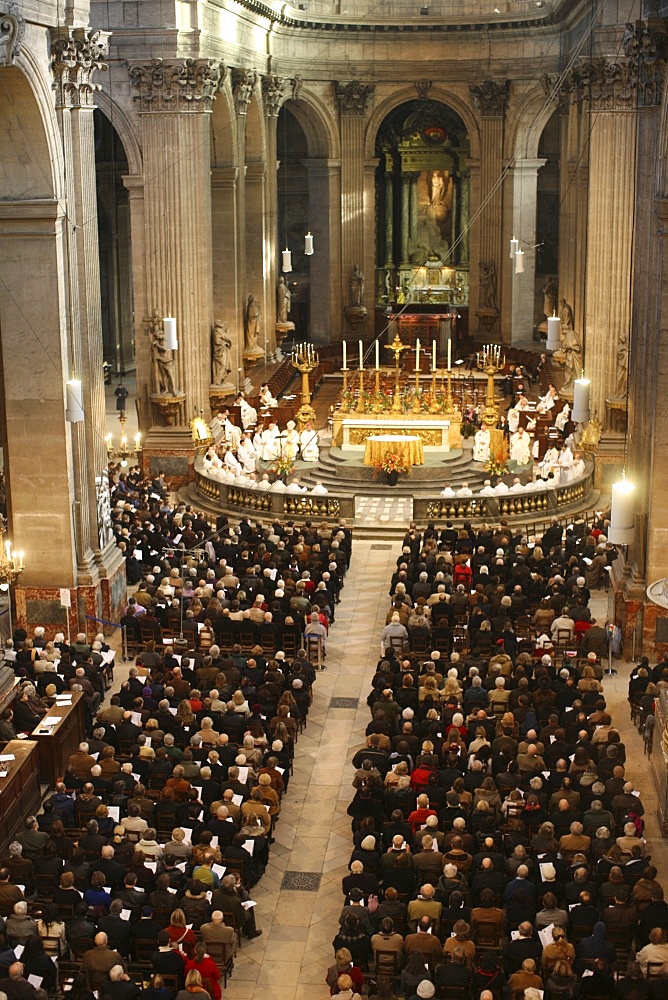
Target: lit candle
point(377, 356)
point(137, 440)
point(449, 353)
point(361, 356)
point(433, 355)
point(417, 354)
point(109, 439)
point(345, 358)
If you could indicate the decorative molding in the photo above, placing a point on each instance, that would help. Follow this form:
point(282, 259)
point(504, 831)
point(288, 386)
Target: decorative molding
point(12, 30)
point(422, 87)
point(645, 47)
point(183, 85)
point(490, 98)
point(273, 94)
point(353, 98)
point(76, 53)
point(243, 84)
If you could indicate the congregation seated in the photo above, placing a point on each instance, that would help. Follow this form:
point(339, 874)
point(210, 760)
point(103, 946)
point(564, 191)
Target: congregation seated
point(494, 857)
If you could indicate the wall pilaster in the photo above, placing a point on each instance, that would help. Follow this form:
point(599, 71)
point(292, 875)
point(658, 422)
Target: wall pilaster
point(354, 99)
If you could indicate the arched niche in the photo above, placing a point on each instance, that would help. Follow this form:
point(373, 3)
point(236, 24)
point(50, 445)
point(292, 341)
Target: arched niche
point(422, 205)
point(114, 242)
point(294, 209)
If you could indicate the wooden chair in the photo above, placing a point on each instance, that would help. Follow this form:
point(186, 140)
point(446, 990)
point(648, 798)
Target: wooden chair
point(144, 948)
point(289, 644)
point(487, 935)
point(387, 963)
point(225, 963)
point(79, 947)
point(230, 921)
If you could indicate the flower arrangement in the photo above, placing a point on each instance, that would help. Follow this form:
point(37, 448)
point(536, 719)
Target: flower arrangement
point(283, 467)
point(390, 462)
point(495, 467)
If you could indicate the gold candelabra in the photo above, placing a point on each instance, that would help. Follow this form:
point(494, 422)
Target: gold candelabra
point(124, 450)
point(397, 346)
point(491, 362)
point(304, 358)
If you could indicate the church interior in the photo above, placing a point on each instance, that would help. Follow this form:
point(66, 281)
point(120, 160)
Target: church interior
point(275, 277)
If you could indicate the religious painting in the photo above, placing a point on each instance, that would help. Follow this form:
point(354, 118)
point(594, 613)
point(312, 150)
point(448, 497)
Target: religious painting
point(435, 192)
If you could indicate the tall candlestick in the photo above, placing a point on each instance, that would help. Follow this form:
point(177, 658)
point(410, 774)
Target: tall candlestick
point(417, 354)
point(361, 356)
point(377, 357)
point(344, 355)
point(433, 355)
point(449, 353)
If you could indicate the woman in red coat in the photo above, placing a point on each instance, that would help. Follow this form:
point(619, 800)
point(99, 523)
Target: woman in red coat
point(207, 969)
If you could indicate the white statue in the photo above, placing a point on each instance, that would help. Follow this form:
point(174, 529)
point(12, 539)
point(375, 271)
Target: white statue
point(284, 298)
point(221, 353)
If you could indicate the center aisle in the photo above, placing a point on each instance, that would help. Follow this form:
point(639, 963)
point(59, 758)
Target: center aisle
point(313, 834)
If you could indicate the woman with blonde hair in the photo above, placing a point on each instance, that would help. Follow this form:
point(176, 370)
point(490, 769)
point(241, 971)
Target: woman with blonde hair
point(559, 949)
point(241, 706)
point(180, 934)
point(179, 845)
point(193, 986)
point(430, 687)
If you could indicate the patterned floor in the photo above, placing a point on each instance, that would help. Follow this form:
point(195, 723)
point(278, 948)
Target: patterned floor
point(371, 510)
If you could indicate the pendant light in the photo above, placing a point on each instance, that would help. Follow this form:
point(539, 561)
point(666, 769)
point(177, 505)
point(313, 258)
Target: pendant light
point(553, 332)
point(286, 255)
point(581, 390)
point(514, 247)
point(286, 258)
point(308, 244)
point(74, 411)
point(622, 512)
point(519, 262)
point(169, 326)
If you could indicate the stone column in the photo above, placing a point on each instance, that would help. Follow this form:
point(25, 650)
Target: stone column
point(463, 252)
point(490, 100)
point(525, 186)
point(413, 209)
point(324, 187)
point(353, 99)
point(225, 259)
point(76, 53)
point(389, 212)
point(243, 84)
point(257, 252)
point(174, 102)
point(573, 183)
point(612, 171)
point(405, 217)
point(273, 96)
point(369, 250)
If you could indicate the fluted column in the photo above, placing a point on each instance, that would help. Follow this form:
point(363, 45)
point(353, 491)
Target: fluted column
point(225, 259)
point(324, 188)
point(405, 217)
point(413, 209)
point(353, 99)
point(612, 169)
point(389, 213)
point(525, 189)
point(76, 53)
point(256, 266)
point(490, 99)
point(174, 103)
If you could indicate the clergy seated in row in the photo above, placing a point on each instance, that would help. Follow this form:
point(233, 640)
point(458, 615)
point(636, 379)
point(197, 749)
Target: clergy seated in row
point(266, 398)
point(463, 491)
point(223, 429)
point(248, 412)
point(520, 447)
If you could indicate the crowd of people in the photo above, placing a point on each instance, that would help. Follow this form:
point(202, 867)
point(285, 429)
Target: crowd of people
point(499, 846)
point(136, 878)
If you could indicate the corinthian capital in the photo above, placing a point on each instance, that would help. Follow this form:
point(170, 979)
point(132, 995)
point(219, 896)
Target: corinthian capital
point(243, 84)
point(12, 29)
point(354, 98)
point(273, 94)
point(645, 47)
point(490, 98)
point(76, 53)
point(181, 85)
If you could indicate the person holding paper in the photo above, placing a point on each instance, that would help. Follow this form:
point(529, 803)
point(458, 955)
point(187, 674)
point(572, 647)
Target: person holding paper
point(17, 986)
point(227, 900)
point(218, 933)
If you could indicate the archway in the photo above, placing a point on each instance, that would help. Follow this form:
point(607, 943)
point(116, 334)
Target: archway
point(422, 206)
point(114, 242)
point(293, 212)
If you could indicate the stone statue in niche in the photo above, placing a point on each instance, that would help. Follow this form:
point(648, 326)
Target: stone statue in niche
point(550, 297)
point(163, 359)
point(283, 300)
point(622, 365)
point(253, 314)
point(356, 286)
point(566, 314)
point(221, 353)
point(571, 345)
point(487, 296)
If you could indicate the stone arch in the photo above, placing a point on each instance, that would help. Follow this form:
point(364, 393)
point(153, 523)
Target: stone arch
point(436, 93)
point(223, 129)
point(319, 127)
point(123, 127)
point(30, 156)
point(525, 123)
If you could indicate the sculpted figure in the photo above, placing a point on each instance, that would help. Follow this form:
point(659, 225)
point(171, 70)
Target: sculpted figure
point(284, 298)
point(221, 353)
point(356, 286)
point(253, 313)
point(163, 361)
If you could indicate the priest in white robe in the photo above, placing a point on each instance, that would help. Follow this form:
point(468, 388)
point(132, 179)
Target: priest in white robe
point(520, 447)
point(487, 489)
point(565, 465)
point(271, 445)
point(232, 463)
point(308, 444)
point(290, 441)
point(562, 418)
point(513, 420)
point(246, 453)
point(550, 461)
point(481, 443)
point(248, 412)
